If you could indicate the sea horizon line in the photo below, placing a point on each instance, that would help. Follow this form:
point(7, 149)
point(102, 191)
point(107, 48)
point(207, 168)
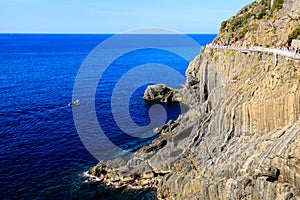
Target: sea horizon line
point(74, 33)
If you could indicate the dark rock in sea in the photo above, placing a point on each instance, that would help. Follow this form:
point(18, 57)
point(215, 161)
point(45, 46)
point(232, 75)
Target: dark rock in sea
point(162, 93)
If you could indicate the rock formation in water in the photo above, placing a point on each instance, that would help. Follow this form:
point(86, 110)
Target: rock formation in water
point(240, 138)
point(162, 93)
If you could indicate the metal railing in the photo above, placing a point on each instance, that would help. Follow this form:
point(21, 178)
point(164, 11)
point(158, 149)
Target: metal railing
point(284, 52)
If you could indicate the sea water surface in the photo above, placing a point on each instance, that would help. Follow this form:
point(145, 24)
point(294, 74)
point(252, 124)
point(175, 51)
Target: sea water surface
point(41, 154)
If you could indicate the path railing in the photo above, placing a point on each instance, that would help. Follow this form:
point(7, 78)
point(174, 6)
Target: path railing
point(288, 53)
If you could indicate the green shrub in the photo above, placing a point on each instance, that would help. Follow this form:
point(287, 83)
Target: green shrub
point(238, 22)
point(261, 14)
point(295, 34)
point(223, 25)
point(277, 5)
point(266, 3)
point(263, 2)
point(243, 33)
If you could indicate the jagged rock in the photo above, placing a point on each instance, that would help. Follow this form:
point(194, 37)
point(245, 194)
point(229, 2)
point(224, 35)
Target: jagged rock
point(167, 128)
point(162, 93)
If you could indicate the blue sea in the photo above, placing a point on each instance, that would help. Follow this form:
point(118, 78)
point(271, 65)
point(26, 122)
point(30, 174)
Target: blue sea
point(41, 153)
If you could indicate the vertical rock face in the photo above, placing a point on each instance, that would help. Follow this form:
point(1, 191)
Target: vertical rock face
point(245, 130)
point(240, 138)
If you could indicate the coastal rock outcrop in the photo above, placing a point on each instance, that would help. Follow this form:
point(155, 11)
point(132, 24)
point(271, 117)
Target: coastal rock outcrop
point(162, 93)
point(240, 138)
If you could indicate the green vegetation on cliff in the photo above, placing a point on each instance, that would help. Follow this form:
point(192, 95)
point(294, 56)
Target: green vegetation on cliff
point(277, 4)
point(295, 34)
point(264, 23)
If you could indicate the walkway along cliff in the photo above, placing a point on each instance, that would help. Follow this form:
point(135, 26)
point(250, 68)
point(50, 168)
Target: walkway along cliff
point(240, 138)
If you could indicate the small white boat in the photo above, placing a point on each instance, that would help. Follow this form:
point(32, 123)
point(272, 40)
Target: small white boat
point(74, 103)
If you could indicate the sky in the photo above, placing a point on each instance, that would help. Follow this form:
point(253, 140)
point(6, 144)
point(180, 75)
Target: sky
point(115, 16)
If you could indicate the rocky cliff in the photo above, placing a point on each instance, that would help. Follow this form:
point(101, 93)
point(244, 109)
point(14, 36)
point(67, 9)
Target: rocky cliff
point(242, 131)
point(265, 22)
point(240, 138)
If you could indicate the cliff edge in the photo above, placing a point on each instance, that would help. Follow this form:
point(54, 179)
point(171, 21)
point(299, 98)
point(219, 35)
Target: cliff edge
point(240, 138)
point(263, 23)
